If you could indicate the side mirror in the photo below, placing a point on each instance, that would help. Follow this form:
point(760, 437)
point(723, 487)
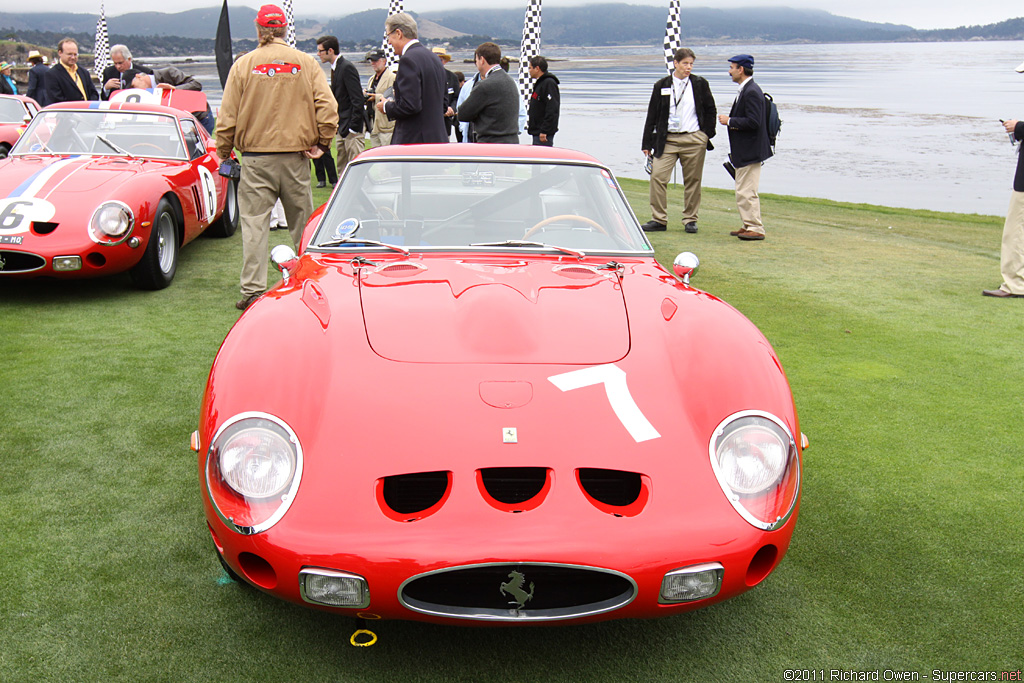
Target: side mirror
point(685, 265)
point(284, 259)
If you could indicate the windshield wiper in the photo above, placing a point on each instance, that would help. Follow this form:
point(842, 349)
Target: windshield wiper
point(114, 147)
point(359, 240)
point(527, 243)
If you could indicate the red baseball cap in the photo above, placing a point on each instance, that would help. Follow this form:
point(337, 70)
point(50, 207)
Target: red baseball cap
point(271, 16)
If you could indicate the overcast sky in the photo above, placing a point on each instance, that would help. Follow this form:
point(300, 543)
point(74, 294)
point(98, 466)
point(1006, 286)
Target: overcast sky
point(917, 13)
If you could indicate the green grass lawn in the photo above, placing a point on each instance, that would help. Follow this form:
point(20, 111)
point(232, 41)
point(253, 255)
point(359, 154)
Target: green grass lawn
point(908, 554)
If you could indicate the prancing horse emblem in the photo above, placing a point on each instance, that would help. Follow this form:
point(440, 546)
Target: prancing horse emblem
point(514, 587)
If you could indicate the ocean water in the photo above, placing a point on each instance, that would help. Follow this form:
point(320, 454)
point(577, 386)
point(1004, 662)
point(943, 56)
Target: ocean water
point(898, 124)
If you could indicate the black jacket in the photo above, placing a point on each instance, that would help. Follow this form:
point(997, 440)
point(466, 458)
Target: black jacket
point(61, 88)
point(748, 129)
point(418, 106)
point(545, 102)
point(125, 78)
point(656, 125)
point(348, 91)
point(37, 84)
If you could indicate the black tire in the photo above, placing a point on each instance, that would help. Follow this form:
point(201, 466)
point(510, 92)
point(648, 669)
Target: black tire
point(227, 224)
point(160, 261)
point(4, 149)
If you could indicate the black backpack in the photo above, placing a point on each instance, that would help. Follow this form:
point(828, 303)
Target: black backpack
point(772, 121)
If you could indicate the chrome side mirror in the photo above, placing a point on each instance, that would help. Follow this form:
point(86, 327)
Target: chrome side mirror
point(284, 259)
point(685, 265)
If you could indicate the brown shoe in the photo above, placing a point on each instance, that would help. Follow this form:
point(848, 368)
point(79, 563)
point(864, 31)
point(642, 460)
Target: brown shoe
point(734, 233)
point(247, 301)
point(1000, 294)
point(750, 235)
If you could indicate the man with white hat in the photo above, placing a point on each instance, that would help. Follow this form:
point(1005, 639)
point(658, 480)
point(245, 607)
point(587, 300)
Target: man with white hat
point(1011, 255)
point(37, 77)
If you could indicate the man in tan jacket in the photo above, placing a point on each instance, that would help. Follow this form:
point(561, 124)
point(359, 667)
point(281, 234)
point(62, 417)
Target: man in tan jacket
point(380, 88)
point(279, 112)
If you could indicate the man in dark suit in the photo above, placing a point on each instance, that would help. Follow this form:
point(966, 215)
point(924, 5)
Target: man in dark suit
point(419, 104)
point(748, 144)
point(66, 81)
point(348, 91)
point(119, 75)
point(37, 78)
point(451, 91)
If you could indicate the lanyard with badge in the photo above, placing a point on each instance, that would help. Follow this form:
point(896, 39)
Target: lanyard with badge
point(674, 122)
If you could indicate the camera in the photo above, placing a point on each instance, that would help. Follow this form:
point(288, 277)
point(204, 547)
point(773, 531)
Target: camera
point(230, 169)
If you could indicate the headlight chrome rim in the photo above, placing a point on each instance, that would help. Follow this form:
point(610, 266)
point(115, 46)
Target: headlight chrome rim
point(286, 493)
point(101, 236)
point(736, 497)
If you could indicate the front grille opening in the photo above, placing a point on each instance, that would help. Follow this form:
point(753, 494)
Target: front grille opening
point(616, 492)
point(43, 227)
point(409, 497)
point(20, 262)
point(514, 486)
point(518, 592)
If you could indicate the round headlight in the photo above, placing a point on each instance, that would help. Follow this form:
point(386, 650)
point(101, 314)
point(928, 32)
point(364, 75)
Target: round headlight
point(752, 458)
point(112, 220)
point(757, 464)
point(253, 469)
point(257, 462)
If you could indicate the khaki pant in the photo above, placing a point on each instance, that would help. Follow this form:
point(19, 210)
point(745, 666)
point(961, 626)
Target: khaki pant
point(747, 200)
point(689, 149)
point(265, 179)
point(381, 139)
point(350, 145)
point(1011, 256)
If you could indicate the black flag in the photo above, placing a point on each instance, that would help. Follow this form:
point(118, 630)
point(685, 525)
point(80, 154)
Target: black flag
point(222, 46)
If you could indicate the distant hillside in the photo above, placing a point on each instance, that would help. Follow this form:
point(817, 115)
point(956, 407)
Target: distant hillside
point(617, 24)
point(1011, 29)
point(192, 32)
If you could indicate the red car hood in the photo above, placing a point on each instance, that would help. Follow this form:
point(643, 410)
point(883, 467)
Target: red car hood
point(39, 176)
point(481, 310)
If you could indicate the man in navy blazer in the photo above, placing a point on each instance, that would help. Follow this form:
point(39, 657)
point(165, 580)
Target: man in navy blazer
point(419, 104)
point(66, 81)
point(748, 143)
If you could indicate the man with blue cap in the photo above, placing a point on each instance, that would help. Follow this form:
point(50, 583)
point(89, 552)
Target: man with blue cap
point(748, 144)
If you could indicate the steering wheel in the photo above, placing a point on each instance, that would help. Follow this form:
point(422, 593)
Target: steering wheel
point(387, 213)
point(563, 217)
point(146, 145)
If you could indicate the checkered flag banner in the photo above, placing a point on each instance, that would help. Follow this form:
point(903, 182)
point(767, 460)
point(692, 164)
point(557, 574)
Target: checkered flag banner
point(289, 35)
point(673, 28)
point(101, 45)
point(395, 7)
point(529, 48)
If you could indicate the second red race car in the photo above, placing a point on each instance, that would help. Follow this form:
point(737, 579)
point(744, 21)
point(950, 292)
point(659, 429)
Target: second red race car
point(98, 188)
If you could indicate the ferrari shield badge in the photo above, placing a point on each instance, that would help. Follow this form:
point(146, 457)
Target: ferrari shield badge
point(509, 435)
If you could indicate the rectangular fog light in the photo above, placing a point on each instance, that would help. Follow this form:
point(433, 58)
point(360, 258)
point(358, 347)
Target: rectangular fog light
point(334, 588)
point(67, 263)
point(696, 582)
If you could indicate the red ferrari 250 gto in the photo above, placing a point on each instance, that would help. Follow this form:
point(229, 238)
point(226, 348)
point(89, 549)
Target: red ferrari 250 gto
point(496, 407)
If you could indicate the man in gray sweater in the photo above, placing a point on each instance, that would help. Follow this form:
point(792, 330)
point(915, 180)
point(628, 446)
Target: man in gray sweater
point(493, 105)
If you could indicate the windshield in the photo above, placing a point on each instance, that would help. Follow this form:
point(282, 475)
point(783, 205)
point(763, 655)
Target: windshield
point(102, 132)
point(11, 111)
point(467, 203)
